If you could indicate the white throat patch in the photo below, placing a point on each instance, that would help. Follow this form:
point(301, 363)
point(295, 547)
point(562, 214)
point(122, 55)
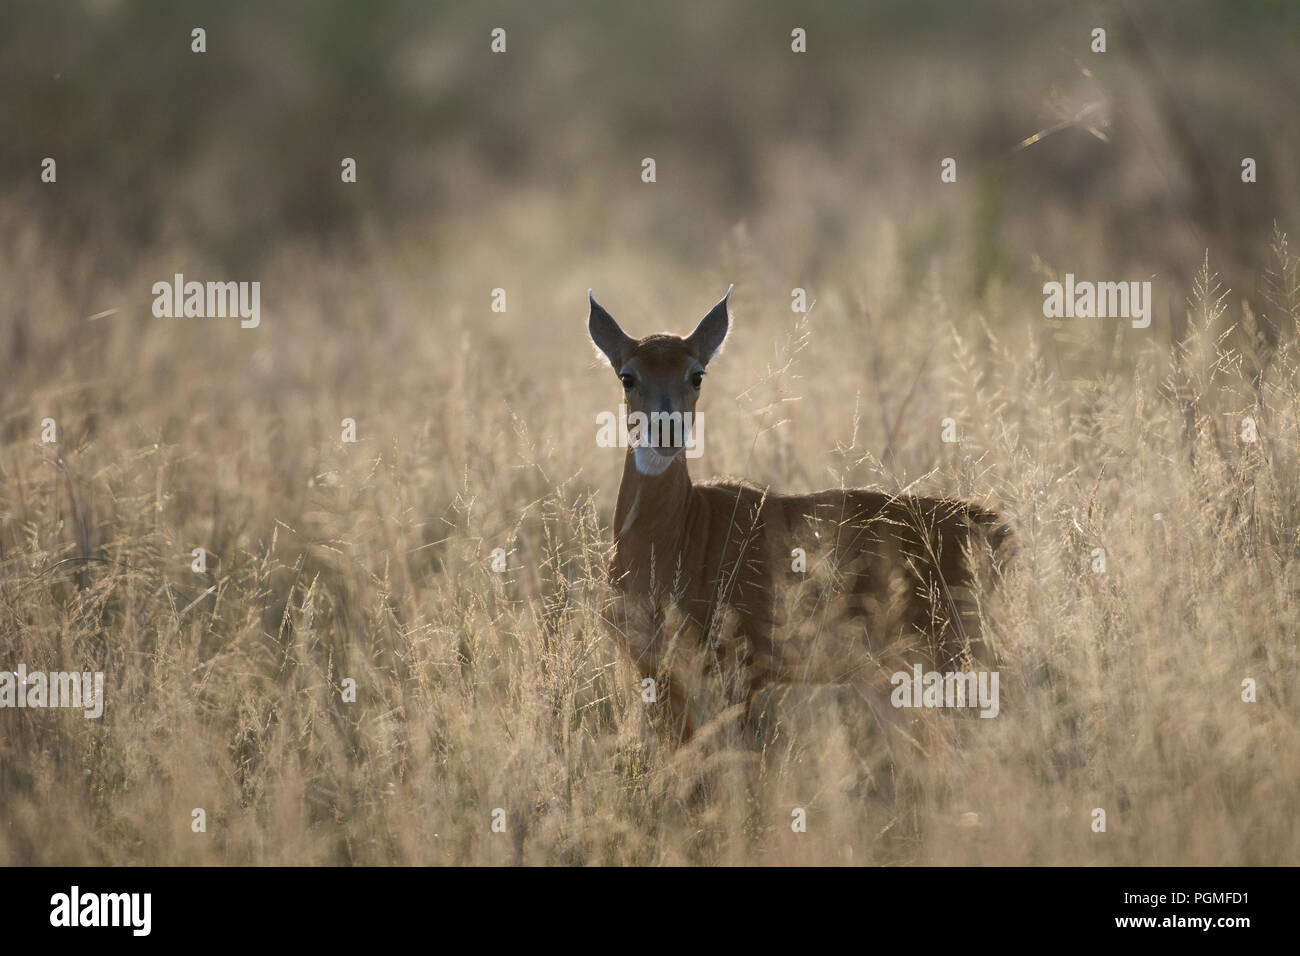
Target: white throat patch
point(650, 462)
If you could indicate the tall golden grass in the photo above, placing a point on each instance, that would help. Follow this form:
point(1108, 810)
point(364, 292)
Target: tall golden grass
point(478, 690)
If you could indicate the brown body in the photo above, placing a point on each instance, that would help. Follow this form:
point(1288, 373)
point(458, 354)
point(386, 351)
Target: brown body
point(724, 585)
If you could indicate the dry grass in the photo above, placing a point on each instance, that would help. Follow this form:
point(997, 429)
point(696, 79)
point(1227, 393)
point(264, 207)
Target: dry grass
point(478, 690)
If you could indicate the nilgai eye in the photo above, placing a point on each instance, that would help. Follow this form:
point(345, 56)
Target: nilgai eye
point(696, 379)
point(628, 380)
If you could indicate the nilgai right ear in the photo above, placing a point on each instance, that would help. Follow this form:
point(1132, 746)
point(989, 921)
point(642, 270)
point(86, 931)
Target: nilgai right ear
point(706, 341)
point(612, 341)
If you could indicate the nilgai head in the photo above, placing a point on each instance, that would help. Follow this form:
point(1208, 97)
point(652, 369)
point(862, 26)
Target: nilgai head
point(661, 377)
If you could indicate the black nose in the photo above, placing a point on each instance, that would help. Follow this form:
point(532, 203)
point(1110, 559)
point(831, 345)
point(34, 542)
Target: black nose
point(668, 429)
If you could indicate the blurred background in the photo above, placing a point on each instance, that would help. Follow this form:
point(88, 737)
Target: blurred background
point(535, 154)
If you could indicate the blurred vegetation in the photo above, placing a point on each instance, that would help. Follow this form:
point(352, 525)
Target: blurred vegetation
point(238, 148)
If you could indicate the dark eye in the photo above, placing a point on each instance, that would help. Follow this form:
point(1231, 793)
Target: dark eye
point(696, 379)
point(628, 380)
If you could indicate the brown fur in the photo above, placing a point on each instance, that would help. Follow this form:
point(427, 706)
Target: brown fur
point(718, 554)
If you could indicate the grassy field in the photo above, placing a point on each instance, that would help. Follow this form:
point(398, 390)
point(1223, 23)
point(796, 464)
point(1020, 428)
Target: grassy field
point(326, 560)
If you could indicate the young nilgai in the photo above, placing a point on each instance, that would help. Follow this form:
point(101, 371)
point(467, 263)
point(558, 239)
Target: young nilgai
point(726, 580)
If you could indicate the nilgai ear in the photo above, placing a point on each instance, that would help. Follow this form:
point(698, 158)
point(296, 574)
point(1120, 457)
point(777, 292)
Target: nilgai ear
point(606, 335)
point(706, 341)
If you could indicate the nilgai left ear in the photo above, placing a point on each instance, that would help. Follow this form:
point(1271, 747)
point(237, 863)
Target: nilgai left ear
point(706, 341)
point(606, 334)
